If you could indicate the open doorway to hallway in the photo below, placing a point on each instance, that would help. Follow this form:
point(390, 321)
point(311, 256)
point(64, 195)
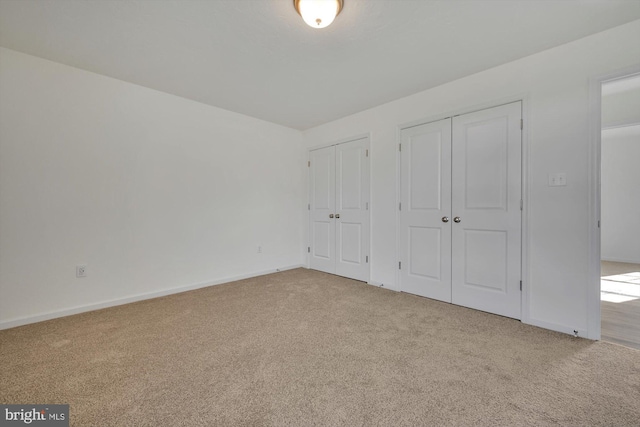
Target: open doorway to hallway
point(620, 211)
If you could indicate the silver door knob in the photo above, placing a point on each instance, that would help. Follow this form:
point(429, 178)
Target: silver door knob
point(457, 219)
point(330, 215)
point(445, 219)
point(337, 215)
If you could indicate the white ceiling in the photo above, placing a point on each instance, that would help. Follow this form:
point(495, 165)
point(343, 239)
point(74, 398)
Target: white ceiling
point(257, 57)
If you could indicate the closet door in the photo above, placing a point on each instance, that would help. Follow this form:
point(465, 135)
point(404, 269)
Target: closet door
point(322, 189)
point(339, 209)
point(486, 210)
point(425, 211)
point(352, 209)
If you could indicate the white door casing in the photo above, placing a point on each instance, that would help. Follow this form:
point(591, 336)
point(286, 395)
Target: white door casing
point(339, 209)
point(465, 171)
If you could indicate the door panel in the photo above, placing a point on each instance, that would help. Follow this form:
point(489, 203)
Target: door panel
point(485, 154)
point(323, 228)
point(485, 255)
point(350, 240)
point(425, 241)
point(322, 239)
point(350, 161)
point(426, 169)
point(424, 252)
point(352, 188)
point(323, 180)
point(486, 193)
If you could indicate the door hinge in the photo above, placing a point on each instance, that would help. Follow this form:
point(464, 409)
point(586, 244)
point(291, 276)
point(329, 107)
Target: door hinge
point(400, 206)
point(521, 203)
point(366, 153)
point(520, 284)
point(399, 265)
point(309, 164)
point(366, 259)
point(598, 223)
point(367, 205)
point(309, 249)
point(521, 124)
point(399, 147)
point(309, 206)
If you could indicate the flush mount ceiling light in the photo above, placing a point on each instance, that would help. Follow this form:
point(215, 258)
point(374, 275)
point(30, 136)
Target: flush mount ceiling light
point(318, 13)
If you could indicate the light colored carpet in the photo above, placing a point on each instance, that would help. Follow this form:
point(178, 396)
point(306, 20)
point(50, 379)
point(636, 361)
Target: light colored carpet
point(306, 348)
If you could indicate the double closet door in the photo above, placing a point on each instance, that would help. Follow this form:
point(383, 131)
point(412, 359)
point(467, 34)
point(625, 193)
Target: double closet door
point(339, 209)
point(461, 210)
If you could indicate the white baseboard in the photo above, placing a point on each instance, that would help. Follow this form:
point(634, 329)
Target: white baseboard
point(383, 286)
point(582, 333)
point(140, 297)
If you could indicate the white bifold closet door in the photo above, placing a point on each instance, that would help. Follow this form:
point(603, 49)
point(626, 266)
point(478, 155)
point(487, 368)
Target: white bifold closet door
point(460, 213)
point(339, 209)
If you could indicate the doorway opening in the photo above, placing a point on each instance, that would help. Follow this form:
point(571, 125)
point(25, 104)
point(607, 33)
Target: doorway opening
point(620, 211)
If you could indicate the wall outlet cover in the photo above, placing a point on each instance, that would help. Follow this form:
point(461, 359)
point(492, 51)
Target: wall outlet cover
point(81, 271)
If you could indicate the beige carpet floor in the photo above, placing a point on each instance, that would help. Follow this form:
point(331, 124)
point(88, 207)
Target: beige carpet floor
point(303, 348)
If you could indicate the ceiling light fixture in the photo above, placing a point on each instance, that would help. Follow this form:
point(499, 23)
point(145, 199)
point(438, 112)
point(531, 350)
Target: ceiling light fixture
point(318, 13)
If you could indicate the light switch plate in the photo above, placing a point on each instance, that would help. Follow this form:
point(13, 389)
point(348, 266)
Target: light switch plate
point(557, 179)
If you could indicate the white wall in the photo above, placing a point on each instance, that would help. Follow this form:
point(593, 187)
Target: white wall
point(153, 192)
point(620, 194)
point(555, 88)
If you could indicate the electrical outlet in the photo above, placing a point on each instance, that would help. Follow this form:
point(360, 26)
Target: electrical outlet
point(81, 271)
point(259, 249)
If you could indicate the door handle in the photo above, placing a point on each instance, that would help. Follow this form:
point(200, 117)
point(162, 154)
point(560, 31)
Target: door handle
point(457, 219)
point(445, 219)
point(337, 215)
point(330, 215)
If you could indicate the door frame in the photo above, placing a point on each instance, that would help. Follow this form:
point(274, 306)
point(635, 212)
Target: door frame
point(525, 185)
point(593, 177)
point(356, 137)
